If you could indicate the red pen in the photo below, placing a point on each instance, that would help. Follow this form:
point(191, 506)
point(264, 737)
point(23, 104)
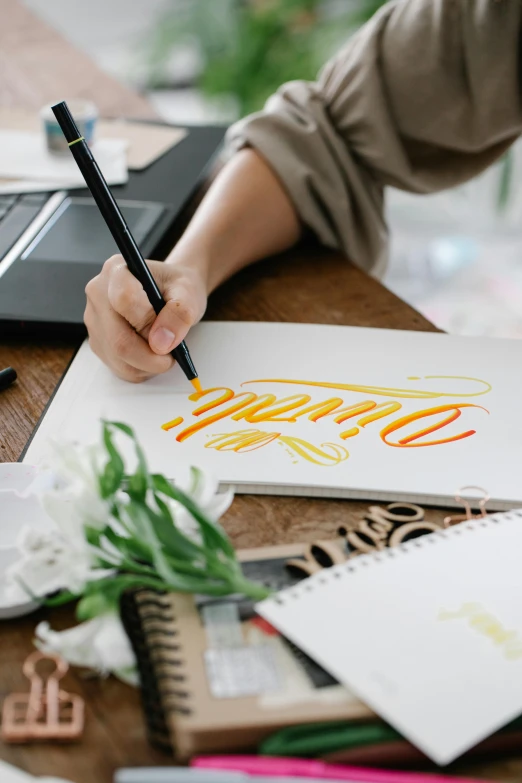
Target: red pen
point(271, 766)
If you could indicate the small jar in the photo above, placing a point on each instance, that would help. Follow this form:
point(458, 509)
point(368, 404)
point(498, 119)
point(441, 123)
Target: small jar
point(85, 115)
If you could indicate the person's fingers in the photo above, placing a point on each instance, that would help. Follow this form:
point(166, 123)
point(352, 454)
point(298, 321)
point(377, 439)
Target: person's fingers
point(127, 297)
point(129, 347)
point(122, 370)
point(119, 346)
point(99, 346)
point(123, 328)
point(184, 307)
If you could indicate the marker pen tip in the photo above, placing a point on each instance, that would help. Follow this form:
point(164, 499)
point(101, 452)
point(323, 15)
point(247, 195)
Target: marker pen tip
point(196, 384)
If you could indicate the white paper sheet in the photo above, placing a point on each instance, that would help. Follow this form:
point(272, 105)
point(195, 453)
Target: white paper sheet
point(429, 635)
point(16, 186)
point(25, 156)
point(10, 774)
point(358, 449)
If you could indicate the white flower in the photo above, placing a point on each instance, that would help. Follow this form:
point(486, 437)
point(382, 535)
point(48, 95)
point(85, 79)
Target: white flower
point(203, 490)
point(50, 562)
point(70, 491)
point(100, 644)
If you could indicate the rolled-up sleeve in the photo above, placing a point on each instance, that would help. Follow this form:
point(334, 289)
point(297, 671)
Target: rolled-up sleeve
point(423, 97)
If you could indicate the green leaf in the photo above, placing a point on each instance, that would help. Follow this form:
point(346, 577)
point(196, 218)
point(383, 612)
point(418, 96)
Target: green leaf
point(129, 547)
point(506, 177)
point(64, 597)
point(208, 584)
point(176, 542)
point(185, 567)
point(103, 596)
point(137, 485)
point(138, 482)
point(92, 535)
point(117, 584)
point(124, 428)
point(96, 604)
point(142, 462)
point(111, 478)
point(213, 535)
point(140, 516)
point(156, 553)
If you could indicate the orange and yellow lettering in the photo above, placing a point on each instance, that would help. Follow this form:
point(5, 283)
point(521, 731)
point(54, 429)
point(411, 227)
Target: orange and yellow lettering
point(382, 409)
point(454, 413)
point(351, 411)
point(349, 433)
point(169, 425)
point(319, 409)
point(311, 453)
point(244, 440)
point(227, 395)
point(385, 391)
point(199, 425)
point(270, 410)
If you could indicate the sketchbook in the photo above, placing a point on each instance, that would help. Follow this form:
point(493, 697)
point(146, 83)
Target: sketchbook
point(306, 409)
point(215, 677)
point(431, 631)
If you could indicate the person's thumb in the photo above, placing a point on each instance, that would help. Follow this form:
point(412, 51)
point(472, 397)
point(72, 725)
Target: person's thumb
point(171, 325)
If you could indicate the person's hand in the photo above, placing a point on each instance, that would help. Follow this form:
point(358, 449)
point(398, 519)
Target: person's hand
point(124, 330)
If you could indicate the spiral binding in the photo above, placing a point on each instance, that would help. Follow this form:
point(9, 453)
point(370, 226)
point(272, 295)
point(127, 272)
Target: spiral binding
point(149, 621)
point(337, 572)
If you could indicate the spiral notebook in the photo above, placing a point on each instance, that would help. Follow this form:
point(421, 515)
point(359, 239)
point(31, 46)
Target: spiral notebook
point(216, 677)
point(315, 410)
point(428, 634)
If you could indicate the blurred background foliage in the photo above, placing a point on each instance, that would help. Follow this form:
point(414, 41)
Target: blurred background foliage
point(248, 48)
point(245, 49)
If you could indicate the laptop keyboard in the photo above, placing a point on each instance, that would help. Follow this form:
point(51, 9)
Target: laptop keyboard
point(16, 214)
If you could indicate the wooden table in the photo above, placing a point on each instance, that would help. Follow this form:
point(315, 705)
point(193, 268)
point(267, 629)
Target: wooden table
point(305, 286)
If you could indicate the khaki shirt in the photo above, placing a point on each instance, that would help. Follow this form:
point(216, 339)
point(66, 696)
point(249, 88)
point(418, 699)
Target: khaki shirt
point(423, 97)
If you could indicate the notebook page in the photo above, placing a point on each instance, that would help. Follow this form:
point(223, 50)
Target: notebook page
point(317, 410)
point(429, 635)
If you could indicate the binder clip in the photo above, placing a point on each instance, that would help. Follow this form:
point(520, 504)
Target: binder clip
point(46, 712)
point(468, 514)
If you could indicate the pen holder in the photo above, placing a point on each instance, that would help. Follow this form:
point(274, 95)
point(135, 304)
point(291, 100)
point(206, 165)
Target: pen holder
point(85, 115)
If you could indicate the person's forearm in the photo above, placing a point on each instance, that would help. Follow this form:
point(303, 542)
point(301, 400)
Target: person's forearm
point(245, 216)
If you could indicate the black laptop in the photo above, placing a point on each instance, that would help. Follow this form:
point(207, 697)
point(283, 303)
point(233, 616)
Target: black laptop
point(52, 244)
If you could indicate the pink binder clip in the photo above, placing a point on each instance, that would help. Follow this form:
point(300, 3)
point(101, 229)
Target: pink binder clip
point(454, 520)
point(46, 712)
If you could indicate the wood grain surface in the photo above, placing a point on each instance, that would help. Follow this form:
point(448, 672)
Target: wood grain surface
point(38, 66)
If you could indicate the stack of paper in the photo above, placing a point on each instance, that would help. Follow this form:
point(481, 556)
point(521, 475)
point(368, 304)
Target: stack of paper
point(26, 165)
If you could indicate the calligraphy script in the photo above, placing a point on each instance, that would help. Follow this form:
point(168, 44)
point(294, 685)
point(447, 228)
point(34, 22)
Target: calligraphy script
point(400, 430)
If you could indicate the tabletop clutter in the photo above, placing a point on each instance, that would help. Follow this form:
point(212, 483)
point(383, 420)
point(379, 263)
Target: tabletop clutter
point(399, 641)
point(229, 673)
point(34, 157)
point(396, 643)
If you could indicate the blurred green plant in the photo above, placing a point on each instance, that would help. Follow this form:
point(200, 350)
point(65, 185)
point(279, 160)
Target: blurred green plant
point(249, 48)
point(506, 165)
